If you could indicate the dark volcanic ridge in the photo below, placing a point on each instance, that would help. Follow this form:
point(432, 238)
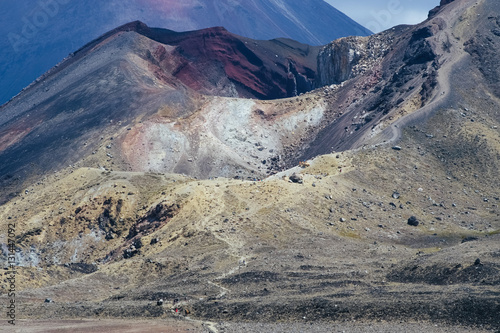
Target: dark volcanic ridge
point(36, 36)
point(261, 69)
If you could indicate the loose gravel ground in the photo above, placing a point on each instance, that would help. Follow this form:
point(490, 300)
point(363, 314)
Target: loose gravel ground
point(344, 328)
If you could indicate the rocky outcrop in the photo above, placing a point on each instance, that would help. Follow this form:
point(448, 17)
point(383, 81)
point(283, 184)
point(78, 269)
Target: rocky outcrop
point(297, 83)
point(349, 57)
point(374, 79)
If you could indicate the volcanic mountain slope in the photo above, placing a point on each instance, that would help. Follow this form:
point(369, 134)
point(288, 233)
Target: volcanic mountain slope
point(105, 102)
point(35, 36)
point(401, 236)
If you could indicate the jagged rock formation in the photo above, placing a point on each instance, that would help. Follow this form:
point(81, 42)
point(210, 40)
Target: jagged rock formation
point(349, 57)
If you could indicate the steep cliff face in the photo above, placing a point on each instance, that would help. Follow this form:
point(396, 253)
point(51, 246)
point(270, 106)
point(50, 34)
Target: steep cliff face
point(348, 57)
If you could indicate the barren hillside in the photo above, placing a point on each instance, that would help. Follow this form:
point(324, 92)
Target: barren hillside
point(198, 199)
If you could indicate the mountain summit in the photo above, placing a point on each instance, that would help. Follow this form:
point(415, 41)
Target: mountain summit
point(35, 38)
point(313, 22)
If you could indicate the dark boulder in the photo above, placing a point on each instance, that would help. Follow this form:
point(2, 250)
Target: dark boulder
point(469, 239)
point(413, 221)
point(299, 179)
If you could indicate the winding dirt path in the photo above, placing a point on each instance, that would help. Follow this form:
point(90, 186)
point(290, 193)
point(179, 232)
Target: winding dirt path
point(393, 133)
